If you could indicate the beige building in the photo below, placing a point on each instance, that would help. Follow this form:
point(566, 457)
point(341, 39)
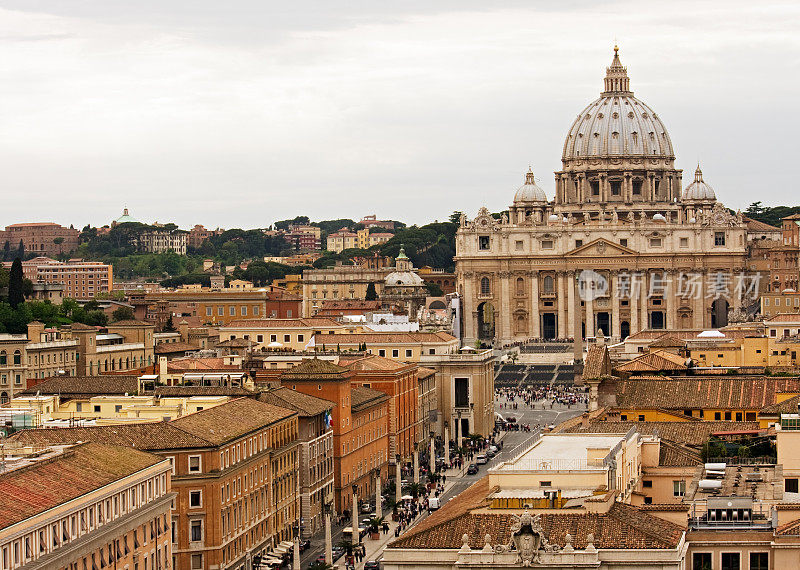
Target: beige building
point(621, 234)
point(162, 241)
point(284, 334)
point(84, 506)
point(81, 279)
point(126, 345)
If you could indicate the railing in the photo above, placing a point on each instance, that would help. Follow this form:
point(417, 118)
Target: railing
point(761, 460)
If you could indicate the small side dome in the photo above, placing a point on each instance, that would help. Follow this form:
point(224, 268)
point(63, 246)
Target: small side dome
point(698, 190)
point(659, 218)
point(530, 192)
point(554, 218)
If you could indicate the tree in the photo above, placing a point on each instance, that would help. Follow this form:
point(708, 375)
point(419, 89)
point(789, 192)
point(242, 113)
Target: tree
point(371, 295)
point(21, 250)
point(169, 326)
point(16, 293)
point(122, 314)
point(433, 289)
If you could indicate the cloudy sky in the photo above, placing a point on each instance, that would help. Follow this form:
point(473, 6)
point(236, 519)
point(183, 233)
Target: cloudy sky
point(240, 113)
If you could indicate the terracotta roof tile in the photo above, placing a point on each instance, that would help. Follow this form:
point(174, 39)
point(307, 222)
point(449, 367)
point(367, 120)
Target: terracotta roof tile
point(303, 404)
point(788, 406)
point(658, 361)
point(792, 528)
point(31, 490)
point(177, 391)
point(145, 436)
point(784, 318)
point(389, 338)
point(686, 433)
point(309, 322)
point(597, 362)
point(622, 527)
point(691, 392)
point(375, 363)
point(315, 368)
point(171, 347)
point(85, 386)
point(231, 420)
point(361, 397)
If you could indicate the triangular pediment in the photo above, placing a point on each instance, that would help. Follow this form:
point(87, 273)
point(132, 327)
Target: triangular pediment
point(600, 246)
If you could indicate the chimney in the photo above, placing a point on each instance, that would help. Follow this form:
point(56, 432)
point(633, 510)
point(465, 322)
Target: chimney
point(183, 328)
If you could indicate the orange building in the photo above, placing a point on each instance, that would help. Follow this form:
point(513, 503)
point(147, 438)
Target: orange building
point(360, 422)
point(234, 469)
point(399, 381)
point(43, 238)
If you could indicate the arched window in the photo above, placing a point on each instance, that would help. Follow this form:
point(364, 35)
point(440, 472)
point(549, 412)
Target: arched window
point(486, 287)
point(3, 357)
point(17, 357)
point(3, 397)
point(547, 285)
point(520, 286)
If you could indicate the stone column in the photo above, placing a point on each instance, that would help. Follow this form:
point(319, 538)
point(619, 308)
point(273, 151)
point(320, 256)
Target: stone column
point(535, 319)
point(571, 308)
point(633, 302)
point(354, 536)
point(561, 332)
point(446, 445)
point(669, 293)
point(589, 304)
point(503, 307)
point(416, 463)
point(378, 506)
point(643, 291)
point(468, 306)
point(700, 303)
point(398, 487)
point(328, 541)
point(296, 554)
point(432, 461)
point(577, 348)
point(615, 332)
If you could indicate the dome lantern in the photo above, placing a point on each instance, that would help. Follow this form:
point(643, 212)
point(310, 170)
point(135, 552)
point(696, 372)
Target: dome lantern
point(617, 81)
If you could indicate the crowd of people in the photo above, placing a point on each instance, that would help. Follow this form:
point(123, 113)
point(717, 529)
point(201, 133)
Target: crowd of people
point(539, 397)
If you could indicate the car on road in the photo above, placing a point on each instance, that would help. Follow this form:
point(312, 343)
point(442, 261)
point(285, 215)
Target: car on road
point(481, 459)
point(305, 545)
point(472, 469)
point(372, 565)
point(433, 503)
point(337, 552)
point(494, 448)
point(490, 453)
point(511, 419)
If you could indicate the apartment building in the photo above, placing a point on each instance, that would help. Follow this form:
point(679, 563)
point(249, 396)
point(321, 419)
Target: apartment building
point(88, 505)
point(360, 426)
point(399, 381)
point(287, 334)
point(82, 280)
point(123, 345)
point(43, 238)
point(219, 307)
point(316, 453)
point(234, 469)
point(302, 237)
point(162, 241)
point(372, 221)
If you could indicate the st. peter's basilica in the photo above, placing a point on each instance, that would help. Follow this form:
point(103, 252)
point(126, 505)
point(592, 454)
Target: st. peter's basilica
point(661, 255)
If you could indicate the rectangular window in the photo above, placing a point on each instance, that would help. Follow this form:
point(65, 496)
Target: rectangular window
point(300, 338)
point(684, 242)
point(717, 416)
point(232, 311)
point(209, 311)
point(545, 483)
point(727, 416)
point(484, 243)
point(395, 353)
point(678, 488)
point(287, 338)
point(790, 485)
point(255, 311)
point(194, 464)
point(195, 499)
point(409, 353)
point(260, 337)
point(244, 310)
point(196, 530)
point(701, 561)
point(731, 561)
point(655, 242)
point(461, 392)
point(578, 242)
point(647, 484)
point(547, 244)
point(759, 561)
point(623, 242)
point(518, 245)
point(221, 311)
point(197, 561)
point(381, 352)
point(616, 185)
point(719, 238)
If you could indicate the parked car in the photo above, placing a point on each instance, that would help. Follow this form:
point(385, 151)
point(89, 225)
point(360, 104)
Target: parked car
point(472, 469)
point(372, 565)
point(490, 453)
point(481, 459)
point(305, 545)
point(433, 503)
point(494, 448)
point(337, 552)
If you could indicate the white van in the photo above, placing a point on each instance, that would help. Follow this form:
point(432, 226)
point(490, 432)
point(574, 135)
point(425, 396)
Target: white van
point(433, 503)
point(481, 459)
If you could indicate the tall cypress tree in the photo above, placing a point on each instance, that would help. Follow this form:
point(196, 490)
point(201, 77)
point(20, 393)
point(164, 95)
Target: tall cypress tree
point(21, 250)
point(371, 295)
point(15, 279)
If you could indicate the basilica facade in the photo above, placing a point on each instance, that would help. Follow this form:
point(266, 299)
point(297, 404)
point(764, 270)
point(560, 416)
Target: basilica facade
point(622, 247)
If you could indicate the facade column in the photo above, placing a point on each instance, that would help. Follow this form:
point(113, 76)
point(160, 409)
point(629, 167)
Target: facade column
point(296, 553)
point(469, 306)
point(643, 324)
point(589, 304)
point(561, 332)
point(633, 301)
point(670, 299)
point(398, 486)
point(615, 307)
point(535, 319)
point(571, 305)
point(504, 308)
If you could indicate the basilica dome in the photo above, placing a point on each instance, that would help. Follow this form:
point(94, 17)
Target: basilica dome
point(530, 192)
point(698, 190)
point(617, 123)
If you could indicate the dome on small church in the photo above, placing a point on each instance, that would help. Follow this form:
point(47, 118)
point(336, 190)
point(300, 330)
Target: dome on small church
point(698, 190)
point(530, 192)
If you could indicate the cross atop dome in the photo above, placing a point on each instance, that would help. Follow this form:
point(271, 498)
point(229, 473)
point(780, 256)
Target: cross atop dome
point(617, 81)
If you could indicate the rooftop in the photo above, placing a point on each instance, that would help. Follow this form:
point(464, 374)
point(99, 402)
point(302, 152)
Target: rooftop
point(362, 398)
point(85, 386)
point(303, 404)
point(563, 452)
point(31, 490)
